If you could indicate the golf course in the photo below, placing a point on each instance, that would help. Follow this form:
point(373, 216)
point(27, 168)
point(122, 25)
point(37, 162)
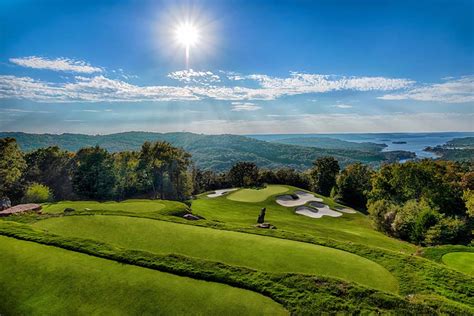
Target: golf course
point(143, 257)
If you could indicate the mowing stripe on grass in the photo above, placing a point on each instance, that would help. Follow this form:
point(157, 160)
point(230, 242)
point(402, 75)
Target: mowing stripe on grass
point(44, 280)
point(253, 251)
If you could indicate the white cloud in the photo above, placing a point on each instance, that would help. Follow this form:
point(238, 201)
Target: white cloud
point(94, 89)
point(459, 90)
point(58, 64)
point(244, 106)
point(191, 76)
point(342, 106)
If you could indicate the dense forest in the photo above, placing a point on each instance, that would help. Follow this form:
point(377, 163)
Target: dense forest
point(220, 152)
point(427, 202)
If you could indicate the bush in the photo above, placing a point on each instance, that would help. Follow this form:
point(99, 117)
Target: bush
point(37, 193)
point(449, 231)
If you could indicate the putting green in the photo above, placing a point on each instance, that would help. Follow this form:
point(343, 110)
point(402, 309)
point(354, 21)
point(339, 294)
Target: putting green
point(462, 261)
point(42, 280)
point(254, 195)
point(253, 251)
point(135, 206)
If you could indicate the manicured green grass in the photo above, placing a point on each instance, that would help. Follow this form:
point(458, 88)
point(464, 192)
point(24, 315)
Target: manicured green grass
point(134, 206)
point(355, 228)
point(258, 252)
point(462, 261)
point(256, 195)
point(43, 280)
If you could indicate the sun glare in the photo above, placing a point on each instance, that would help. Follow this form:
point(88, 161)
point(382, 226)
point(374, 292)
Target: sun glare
point(187, 34)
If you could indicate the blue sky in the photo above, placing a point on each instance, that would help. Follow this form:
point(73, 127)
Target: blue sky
point(257, 66)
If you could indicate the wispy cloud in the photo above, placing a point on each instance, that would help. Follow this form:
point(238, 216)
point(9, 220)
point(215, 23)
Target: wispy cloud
point(191, 76)
point(342, 106)
point(459, 90)
point(199, 85)
point(58, 64)
point(244, 106)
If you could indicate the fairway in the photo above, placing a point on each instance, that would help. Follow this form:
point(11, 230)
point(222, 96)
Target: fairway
point(254, 195)
point(43, 280)
point(253, 251)
point(134, 206)
point(462, 261)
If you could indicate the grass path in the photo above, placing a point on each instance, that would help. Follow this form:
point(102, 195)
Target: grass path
point(253, 195)
point(462, 261)
point(258, 252)
point(44, 280)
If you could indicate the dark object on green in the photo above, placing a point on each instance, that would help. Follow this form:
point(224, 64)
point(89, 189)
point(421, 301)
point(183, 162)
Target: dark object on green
point(69, 210)
point(191, 217)
point(261, 217)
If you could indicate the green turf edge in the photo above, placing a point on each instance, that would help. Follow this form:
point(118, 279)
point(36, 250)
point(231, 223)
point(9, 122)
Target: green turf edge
point(436, 253)
point(416, 275)
point(300, 294)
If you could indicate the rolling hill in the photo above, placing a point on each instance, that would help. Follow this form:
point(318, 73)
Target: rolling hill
point(216, 152)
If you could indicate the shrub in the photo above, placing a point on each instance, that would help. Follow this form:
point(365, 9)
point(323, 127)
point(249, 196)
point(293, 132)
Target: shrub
point(38, 193)
point(448, 231)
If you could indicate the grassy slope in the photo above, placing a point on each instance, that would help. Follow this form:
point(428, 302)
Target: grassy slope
point(252, 195)
point(258, 252)
point(134, 206)
point(348, 228)
point(462, 261)
point(37, 279)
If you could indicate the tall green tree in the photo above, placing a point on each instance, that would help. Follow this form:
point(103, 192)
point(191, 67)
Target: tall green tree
point(94, 176)
point(163, 170)
point(353, 185)
point(12, 166)
point(323, 174)
point(52, 167)
point(244, 174)
point(125, 168)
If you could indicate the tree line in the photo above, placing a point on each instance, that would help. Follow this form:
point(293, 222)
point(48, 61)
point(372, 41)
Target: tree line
point(426, 202)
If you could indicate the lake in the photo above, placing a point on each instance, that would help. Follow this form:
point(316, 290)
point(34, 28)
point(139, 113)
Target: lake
point(414, 142)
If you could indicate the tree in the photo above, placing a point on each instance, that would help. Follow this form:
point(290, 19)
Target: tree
point(12, 166)
point(37, 193)
point(94, 176)
point(244, 174)
point(449, 230)
point(437, 182)
point(323, 174)
point(354, 184)
point(383, 214)
point(163, 170)
point(125, 168)
point(52, 167)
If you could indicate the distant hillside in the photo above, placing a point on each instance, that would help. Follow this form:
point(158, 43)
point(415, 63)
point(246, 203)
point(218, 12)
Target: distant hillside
point(331, 143)
point(458, 149)
point(217, 152)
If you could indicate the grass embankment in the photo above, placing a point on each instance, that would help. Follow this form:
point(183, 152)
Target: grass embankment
point(43, 280)
point(248, 250)
point(144, 207)
point(300, 294)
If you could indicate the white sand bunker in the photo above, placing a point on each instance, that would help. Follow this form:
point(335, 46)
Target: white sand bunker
point(317, 210)
point(345, 210)
point(218, 193)
point(303, 198)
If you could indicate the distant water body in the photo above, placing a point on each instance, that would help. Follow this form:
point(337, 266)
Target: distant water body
point(414, 142)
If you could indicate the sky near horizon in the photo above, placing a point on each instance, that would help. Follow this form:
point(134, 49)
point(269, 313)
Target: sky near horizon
point(100, 67)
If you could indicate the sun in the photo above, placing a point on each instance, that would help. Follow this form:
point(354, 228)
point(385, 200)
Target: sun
point(187, 34)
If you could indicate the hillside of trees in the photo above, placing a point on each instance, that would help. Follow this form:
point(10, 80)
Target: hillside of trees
point(214, 152)
point(426, 202)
